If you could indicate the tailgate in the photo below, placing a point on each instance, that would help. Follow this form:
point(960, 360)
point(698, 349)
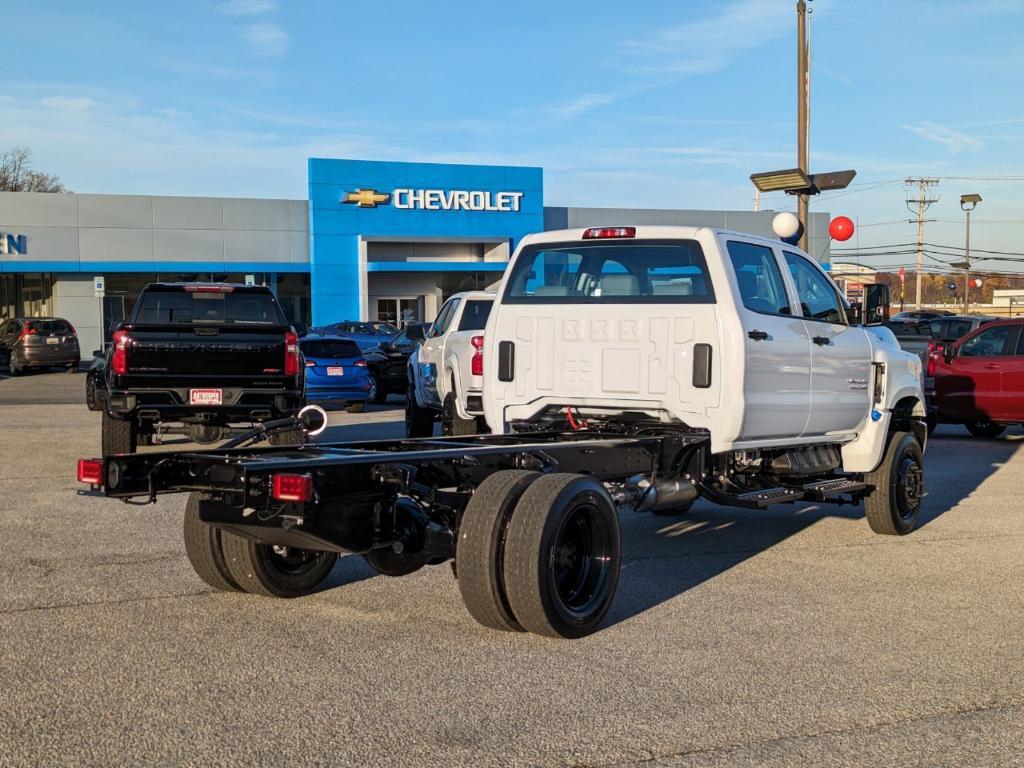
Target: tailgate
point(205, 354)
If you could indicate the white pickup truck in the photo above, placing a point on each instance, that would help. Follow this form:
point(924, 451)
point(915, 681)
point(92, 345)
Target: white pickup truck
point(740, 338)
point(446, 369)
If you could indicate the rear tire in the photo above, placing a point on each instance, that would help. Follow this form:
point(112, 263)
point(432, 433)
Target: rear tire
point(452, 423)
point(562, 556)
point(479, 554)
point(419, 422)
point(985, 428)
point(204, 549)
point(12, 365)
point(355, 407)
point(275, 572)
point(894, 505)
point(90, 393)
point(117, 435)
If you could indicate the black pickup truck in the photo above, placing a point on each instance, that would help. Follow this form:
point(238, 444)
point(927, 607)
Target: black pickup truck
point(204, 356)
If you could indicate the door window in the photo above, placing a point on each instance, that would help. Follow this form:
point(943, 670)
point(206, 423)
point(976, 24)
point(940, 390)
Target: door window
point(818, 298)
point(445, 318)
point(990, 343)
point(759, 278)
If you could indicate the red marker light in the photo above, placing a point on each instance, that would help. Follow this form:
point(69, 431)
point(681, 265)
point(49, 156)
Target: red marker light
point(604, 233)
point(292, 488)
point(90, 471)
point(210, 288)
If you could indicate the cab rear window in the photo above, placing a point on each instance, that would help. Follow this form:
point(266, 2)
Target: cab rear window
point(648, 271)
point(474, 316)
point(197, 307)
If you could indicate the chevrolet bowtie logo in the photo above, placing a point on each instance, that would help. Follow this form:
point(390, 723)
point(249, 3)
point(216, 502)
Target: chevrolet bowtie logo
point(366, 198)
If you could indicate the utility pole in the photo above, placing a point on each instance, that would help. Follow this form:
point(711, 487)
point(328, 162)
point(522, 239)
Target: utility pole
point(922, 201)
point(803, 122)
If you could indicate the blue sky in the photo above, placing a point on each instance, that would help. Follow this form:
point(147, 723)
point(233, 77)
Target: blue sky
point(655, 104)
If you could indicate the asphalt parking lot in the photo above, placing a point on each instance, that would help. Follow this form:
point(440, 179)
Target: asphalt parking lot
point(791, 636)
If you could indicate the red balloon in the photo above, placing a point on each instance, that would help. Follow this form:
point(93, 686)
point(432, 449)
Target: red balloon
point(841, 228)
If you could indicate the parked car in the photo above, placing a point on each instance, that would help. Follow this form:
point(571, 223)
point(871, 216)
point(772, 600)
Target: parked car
point(921, 314)
point(366, 334)
point(95, 381)
point(336, 375)
point(387, 364)
point(979, 380)
point(38, 342)
point(446, 370)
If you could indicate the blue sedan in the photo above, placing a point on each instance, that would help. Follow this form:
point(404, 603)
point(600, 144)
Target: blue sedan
point(336, 375)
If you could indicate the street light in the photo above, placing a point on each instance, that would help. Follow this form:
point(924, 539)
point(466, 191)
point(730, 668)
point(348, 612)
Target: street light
point(968, 203)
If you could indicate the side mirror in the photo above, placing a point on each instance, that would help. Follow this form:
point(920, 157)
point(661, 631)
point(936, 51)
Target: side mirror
point(416, 331)
point(97, 353)
point(876, 304)
point(855, 314)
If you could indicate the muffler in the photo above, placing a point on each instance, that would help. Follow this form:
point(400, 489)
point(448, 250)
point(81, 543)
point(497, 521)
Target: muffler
point(664, 494)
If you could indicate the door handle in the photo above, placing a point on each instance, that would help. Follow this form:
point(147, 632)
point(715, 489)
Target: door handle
point(821, 341)
point(757, 335)
point(993, 366)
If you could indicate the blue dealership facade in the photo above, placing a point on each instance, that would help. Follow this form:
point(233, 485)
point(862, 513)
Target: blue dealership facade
point(373, 240)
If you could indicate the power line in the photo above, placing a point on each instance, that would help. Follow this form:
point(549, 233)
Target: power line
point(923, 202)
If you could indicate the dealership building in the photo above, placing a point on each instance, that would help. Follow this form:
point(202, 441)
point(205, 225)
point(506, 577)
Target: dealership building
point(373, 240)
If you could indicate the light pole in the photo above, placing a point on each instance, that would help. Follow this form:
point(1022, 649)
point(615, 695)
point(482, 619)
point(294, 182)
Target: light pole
point(968, 203)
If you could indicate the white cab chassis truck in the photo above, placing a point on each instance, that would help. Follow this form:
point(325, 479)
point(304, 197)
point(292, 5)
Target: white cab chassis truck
point(625, 368)
point(446, 369)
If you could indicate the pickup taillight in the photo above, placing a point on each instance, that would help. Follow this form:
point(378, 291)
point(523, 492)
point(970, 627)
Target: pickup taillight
point(90, 471)
point(477, 364)
point(291, 354)
point(119, 360)
point(936, 349)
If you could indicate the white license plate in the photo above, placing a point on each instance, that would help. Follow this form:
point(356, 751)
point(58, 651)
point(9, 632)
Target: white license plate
point(205, 396)
point(335, 370)
point(52, 340)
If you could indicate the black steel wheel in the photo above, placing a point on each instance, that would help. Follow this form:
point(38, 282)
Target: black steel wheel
point(376, 394)
point(562, 556)
point(90, 393)
point(204, 549)
point(894, 504)
point(419, 422)
point(480, 552)
point(274, 571)
point(985, 428)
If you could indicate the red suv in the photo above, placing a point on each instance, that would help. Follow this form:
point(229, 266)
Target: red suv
point(979, 380)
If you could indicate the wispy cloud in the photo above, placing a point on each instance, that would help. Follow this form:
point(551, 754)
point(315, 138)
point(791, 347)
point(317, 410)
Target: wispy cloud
point(266, 39)
point(584, 103)
point(75, 103)
point(954, 141)
point(249, 7)
point(708, 45)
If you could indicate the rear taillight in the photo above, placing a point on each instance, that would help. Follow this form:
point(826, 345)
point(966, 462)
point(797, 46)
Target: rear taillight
point(28, 330)
point(292, 488)
point(291, 354)
point(477, 364)
point(604, 233)
point(119, 360)
point(936, 349)
point(71, 330)
point(360, 363)
point(90, 471)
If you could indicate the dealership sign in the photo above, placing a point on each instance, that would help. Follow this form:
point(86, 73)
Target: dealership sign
point(437, 199)
point(13, 244)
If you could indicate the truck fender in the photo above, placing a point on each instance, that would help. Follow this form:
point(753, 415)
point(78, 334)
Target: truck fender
point(453, 373)
point(906, 414)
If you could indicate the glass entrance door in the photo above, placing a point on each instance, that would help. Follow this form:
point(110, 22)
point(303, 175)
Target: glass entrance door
point(400, 311)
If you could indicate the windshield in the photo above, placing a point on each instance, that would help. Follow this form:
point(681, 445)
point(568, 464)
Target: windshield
point(187, 307)
point(621, 272)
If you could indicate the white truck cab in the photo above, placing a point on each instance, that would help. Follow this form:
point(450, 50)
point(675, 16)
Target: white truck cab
point(742, 337)
point(445, 370)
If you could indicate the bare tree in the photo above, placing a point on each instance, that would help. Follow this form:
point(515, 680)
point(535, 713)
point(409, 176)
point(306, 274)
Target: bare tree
point(17, 174)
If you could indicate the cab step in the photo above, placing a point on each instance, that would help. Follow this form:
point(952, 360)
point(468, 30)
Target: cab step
point(764, 497)
point(828, 489)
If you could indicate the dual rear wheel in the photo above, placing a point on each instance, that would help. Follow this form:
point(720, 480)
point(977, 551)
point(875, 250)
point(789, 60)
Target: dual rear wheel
point(539, 553)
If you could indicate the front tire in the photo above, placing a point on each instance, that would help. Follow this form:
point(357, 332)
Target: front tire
point(985, 428)
point(894, 505)
point(479, 554)
point(377, 395)
point(117, 435)
point(90, 393)
point(419, 422)
point(205, 550)
point(562, 556)
point(262, 569)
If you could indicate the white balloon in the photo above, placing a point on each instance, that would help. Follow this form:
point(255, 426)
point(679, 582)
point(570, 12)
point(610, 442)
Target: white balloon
point(785, 225)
